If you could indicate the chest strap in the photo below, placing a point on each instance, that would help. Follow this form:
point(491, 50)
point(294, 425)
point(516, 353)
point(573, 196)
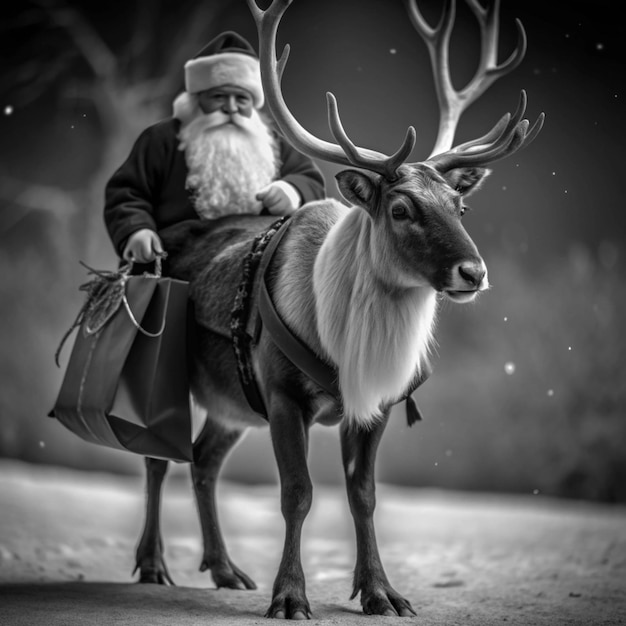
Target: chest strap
point(295, 350)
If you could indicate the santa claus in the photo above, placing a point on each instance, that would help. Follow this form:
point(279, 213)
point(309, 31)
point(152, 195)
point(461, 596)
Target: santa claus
point(218, 154)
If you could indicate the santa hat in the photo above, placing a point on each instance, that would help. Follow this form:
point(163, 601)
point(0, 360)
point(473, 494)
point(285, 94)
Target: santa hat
point(226, 60)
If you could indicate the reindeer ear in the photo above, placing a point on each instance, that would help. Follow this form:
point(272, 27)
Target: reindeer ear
point(466, 180)
point(357, 188)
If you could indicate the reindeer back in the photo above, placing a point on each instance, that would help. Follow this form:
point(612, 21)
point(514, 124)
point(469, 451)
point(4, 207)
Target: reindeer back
point(209, 255)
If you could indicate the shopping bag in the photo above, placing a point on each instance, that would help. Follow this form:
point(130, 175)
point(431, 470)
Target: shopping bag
point(126, 385)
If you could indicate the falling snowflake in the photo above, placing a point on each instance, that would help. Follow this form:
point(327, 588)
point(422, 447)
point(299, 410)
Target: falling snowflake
point(509, 368)
point(8, 109)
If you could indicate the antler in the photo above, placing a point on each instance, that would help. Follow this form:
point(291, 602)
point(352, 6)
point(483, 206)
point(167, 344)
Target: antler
point(345, 153)
point(452, 103)
point(509, 135)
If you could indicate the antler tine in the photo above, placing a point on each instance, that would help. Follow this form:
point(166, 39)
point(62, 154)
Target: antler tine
point(282, 62)
point(534, 129)
point(508, 128)
point(346, 153)
point(386, 167)
point(402, 153)
point(488, 22)
point(438, 34)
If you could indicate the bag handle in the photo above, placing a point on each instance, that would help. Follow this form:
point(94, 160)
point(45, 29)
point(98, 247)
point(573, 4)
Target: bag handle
point(137, 325)
point(127, 267)
point(158, 262)
point(104, 293)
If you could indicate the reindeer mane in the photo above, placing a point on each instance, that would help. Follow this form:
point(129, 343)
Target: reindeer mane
point(377, 335)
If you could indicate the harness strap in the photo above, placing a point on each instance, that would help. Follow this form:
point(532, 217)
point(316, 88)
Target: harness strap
point(297, 352)
point(244, 314)
point(279, 229)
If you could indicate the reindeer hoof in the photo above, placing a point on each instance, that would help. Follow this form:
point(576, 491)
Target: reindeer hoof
point(387, 602)
point(228, 576)
point(157, 578)
point(289, 608)
point(154, 575)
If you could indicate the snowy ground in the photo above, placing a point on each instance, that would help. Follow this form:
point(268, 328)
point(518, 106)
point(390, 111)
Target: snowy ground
point(67, 542)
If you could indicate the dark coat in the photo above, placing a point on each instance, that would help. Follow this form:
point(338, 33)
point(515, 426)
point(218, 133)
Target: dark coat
point(148, 190)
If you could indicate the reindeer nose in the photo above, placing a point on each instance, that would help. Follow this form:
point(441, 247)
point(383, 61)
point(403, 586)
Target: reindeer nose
point(472, 272)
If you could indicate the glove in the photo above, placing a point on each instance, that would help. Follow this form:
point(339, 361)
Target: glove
point(279, 198)
point(142, 246)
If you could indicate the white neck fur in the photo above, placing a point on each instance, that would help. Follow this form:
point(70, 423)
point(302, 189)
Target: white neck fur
point(376, 336)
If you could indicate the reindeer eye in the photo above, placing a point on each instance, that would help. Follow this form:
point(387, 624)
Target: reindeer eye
point(399, 212)
point(462, 211)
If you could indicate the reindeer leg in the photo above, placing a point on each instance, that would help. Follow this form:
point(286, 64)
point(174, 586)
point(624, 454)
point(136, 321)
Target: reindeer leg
point(358, 448)
point(210, 451)
point(290, 439)
point(149, 556)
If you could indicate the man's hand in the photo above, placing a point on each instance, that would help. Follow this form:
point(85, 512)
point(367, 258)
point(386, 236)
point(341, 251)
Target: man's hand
point(143, 246)
point(279, 198)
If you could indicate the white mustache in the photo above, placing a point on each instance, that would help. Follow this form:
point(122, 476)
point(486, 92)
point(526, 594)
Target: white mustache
point(219, 118)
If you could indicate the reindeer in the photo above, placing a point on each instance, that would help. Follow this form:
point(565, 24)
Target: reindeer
point(357, 286)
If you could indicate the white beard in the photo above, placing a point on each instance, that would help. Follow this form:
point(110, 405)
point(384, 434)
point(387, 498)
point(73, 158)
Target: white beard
point(228, 163)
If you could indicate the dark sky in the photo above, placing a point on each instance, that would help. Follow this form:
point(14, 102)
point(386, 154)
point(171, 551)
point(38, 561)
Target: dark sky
point(563, 189)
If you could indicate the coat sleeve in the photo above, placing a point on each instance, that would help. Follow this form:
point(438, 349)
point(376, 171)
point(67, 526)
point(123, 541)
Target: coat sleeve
point(301, 172)
point(131, 194)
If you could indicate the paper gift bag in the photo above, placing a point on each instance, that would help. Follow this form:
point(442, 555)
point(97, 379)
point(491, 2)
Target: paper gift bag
point(126, 385)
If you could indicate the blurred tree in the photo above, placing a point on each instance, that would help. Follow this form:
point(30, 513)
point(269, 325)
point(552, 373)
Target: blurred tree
point(123, 63)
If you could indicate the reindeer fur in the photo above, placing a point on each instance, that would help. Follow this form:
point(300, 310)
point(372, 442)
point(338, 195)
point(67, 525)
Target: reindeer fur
point(376, 332)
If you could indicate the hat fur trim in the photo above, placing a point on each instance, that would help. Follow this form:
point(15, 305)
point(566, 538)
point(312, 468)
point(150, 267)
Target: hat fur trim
point(226, 68)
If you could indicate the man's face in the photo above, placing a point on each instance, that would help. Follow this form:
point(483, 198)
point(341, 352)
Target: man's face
point(228, 99)
point(230, 153)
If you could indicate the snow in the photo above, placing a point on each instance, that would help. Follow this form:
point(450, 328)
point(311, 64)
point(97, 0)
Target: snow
point(67, 541)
